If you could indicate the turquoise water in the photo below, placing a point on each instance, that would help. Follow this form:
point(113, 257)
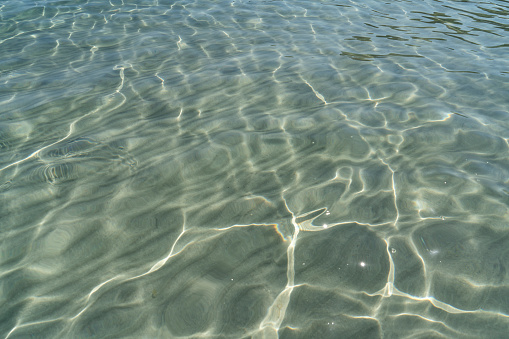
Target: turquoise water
point(254, 169)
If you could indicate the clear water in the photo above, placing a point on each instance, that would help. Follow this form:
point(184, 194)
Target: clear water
point(254, 169)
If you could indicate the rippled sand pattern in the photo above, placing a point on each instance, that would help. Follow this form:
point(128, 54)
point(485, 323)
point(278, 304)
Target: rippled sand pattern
point(254, 169)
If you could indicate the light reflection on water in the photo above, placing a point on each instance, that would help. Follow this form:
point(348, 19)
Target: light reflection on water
point(254, 169)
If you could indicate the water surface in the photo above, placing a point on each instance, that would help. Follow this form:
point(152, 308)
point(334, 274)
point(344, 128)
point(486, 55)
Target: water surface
point(254, 169)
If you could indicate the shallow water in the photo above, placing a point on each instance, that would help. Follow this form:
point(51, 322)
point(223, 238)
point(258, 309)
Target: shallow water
point(264, 169)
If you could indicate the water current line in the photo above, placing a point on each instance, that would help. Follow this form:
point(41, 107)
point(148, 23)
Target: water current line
point(73, 123)
point(277, 310)
point(317, 94)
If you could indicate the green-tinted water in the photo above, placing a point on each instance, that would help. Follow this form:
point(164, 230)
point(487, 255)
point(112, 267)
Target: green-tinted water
point(254, 169)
